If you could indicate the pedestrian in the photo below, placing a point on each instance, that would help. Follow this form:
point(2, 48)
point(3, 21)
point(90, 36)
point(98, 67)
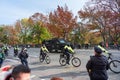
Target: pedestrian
point(23, 56)
point(5, 72)
point(2, 57)
point(19, 72)
point(98, 65)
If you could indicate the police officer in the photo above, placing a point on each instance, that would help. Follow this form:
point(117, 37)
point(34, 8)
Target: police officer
point(43, 51)
point(16, 51)
point(5, 50)
point(67, 51)
point(98, 65)
point(101, 46)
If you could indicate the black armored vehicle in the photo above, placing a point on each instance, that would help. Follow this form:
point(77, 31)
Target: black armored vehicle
point(56, 44)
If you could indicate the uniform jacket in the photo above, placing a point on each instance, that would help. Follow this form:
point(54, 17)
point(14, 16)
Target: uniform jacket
point(97, 67)
point(68, 49)
point(44, 49)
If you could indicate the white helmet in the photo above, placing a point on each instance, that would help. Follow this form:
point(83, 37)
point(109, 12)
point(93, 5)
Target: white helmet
point(25, 49)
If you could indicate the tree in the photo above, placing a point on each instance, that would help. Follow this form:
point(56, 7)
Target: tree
point(8, 34)
point(39, 31)
point(1, 33)
point(62, 22)
point(101, 15)
point(12, 36)
point(22, 29)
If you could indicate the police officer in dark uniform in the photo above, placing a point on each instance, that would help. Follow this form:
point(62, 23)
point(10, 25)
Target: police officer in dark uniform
point(97, 66)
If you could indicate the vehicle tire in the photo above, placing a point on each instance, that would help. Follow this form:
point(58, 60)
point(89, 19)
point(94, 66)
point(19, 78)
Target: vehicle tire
point(76, 62)
point(47, 59)
point(62, 61)
point(115, 66)
point(50, 50)
point(41, 58)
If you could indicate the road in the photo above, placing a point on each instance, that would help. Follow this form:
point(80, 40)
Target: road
point(46, 71)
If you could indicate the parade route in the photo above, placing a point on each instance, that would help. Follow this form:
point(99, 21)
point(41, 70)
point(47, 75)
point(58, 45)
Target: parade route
point(43, 71)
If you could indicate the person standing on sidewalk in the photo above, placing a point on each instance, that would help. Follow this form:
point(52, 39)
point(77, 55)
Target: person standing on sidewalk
point(23, 56)
point(98, 65)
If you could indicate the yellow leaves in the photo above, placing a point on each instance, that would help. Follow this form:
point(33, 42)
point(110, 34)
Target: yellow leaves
point(93, 38)
point(25, 20)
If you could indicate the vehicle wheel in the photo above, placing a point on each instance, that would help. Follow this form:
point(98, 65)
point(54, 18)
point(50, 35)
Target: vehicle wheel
point(47, 59)
point(115, 66)
point(62, 61)
point(41, 58)
point(76, 62)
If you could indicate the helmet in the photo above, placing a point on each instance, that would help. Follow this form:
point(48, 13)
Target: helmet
point(25, 49)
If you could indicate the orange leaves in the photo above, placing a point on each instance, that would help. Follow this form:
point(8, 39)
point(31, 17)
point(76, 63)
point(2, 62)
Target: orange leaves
point(104, 16)
point(62, 21)
point(38, 18)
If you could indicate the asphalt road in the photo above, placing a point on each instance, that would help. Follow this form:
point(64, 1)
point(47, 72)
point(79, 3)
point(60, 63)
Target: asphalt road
point(46, 71)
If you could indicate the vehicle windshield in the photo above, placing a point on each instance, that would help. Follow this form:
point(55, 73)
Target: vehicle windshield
point(62, 41)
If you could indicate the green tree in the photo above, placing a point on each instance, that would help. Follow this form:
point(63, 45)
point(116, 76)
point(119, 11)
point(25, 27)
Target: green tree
point(39, 30)
point(24, 31)
point(39, 33)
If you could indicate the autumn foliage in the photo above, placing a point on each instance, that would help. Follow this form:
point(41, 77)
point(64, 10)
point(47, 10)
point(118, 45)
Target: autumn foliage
point(104, 17)
point(99, 21)
point(62, 22)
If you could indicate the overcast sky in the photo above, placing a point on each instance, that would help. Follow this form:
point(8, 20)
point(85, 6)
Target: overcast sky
point(12, 10)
